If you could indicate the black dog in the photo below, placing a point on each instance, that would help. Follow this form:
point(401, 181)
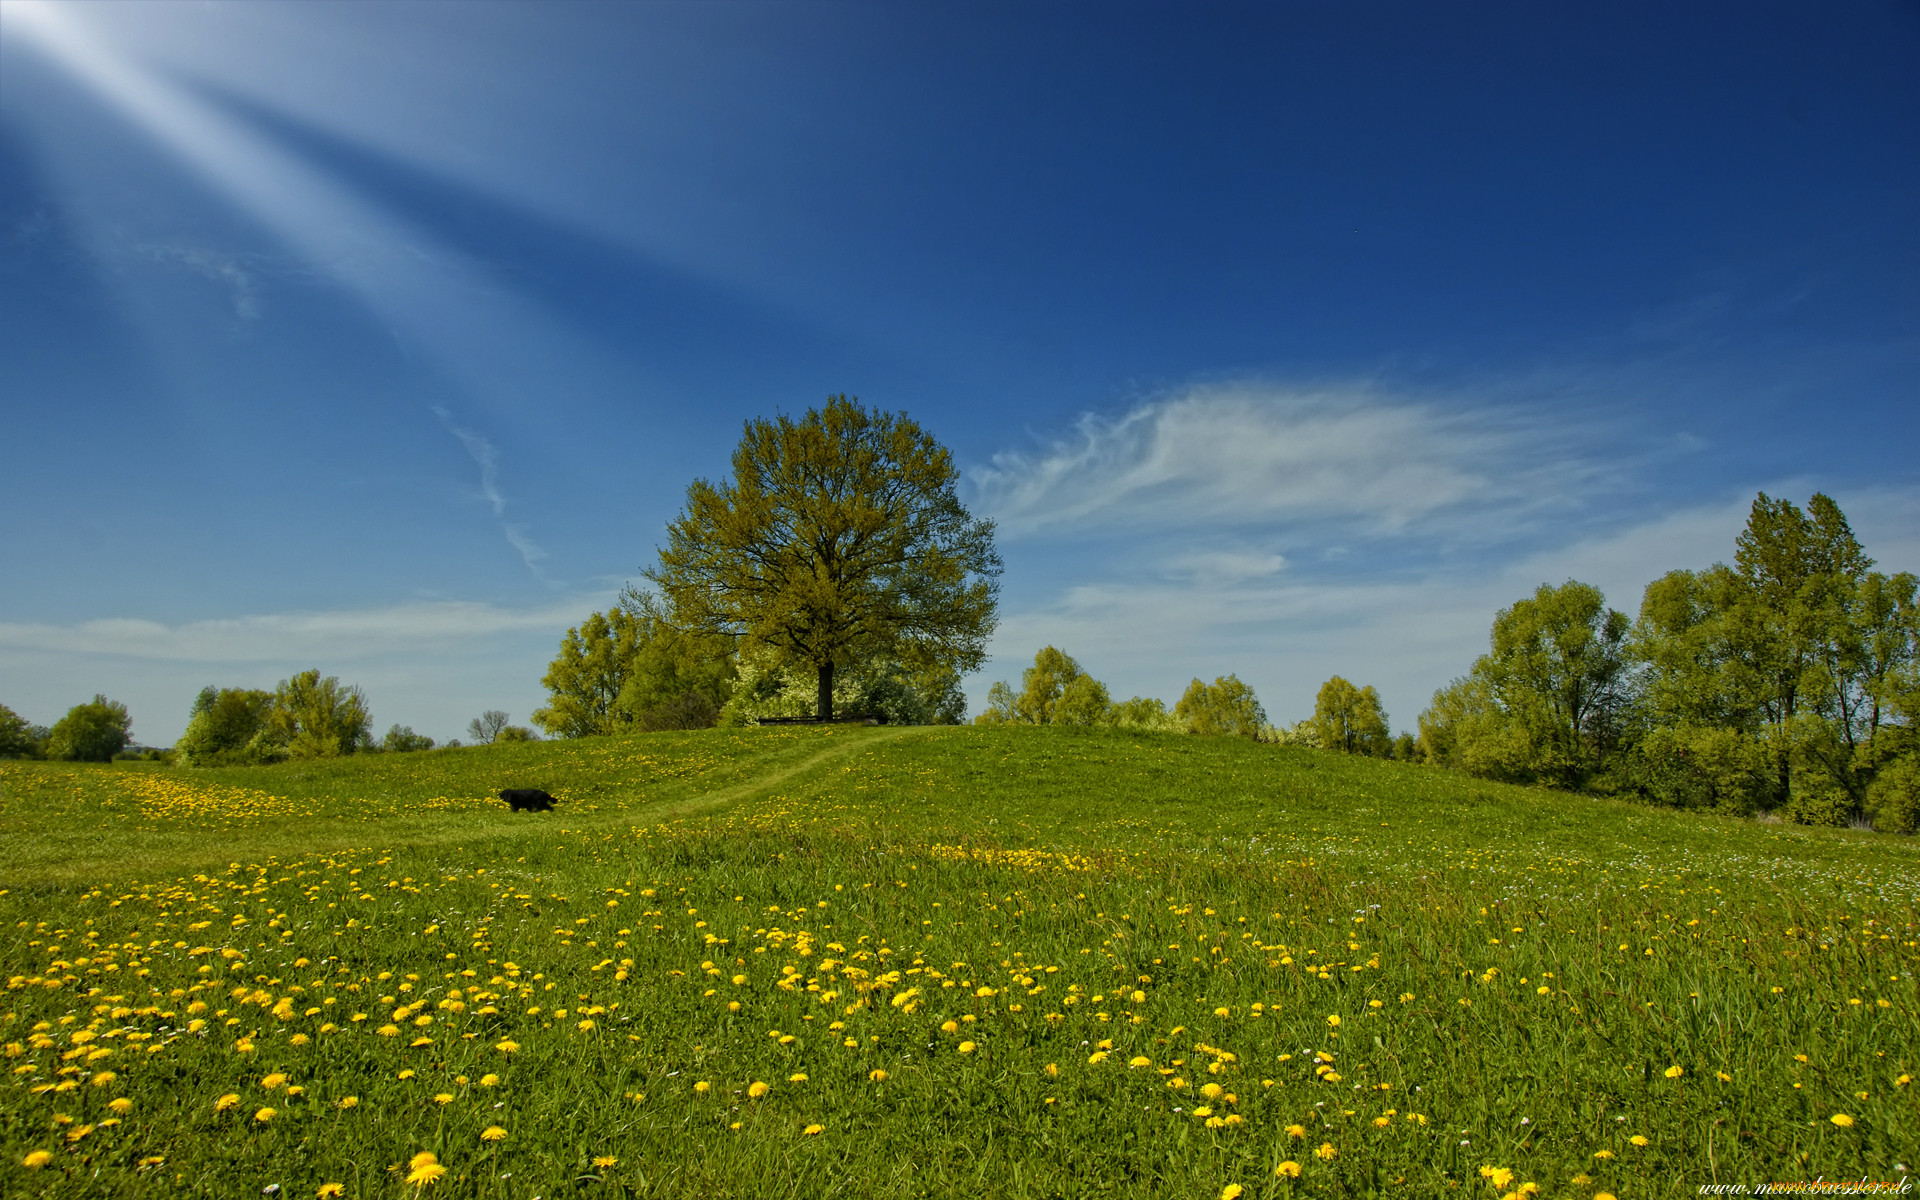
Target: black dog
point(528, 800)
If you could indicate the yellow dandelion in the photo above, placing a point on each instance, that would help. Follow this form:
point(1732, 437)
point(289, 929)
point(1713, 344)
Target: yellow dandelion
point(1842, 1120)
point(103, 1078)
point(877, 1075)
point(331, 1191)
point(388, 1031)
point(489, 1079)
point(1603, 1154)
point(1224, 1012)
point(966, 1047)
point(797, 1077)
point(1326, 1151)
point(949, 1027)
point(1609, 1195)
point(1203, 1111)
point(493, 1133)
point(811, 1130)
point(1232, 1191)
point(1639, 1140)
point(273, 1081)
point(1098, 1056)
point(228, 1101)
point(1675, 1072)
point(1053, 1069)
point(584, 1026)
point(264, 1115)
point(1296, 1131)
point(1498, 1176)
point(703, 1087)
point(1139, 1060)
point(1212, 1091)
point(425, 1173)
point(733, 1006)
point(123, 1106)
point(757, 1089)
point(602, 1161)
point(1288, 1170)
point(1333, 1021)
point(36, 1159)
point(443, 1098)
point(348, 1101)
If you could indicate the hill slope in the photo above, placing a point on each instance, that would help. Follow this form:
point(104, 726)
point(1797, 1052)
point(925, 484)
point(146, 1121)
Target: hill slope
point(1004, 962)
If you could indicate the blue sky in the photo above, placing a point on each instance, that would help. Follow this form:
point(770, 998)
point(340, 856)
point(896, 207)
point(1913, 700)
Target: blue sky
point(1284, 340)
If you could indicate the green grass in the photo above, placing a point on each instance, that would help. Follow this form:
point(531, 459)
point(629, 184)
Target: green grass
point(1514, 973)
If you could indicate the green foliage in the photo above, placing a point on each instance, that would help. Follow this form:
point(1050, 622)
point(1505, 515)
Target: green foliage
point(1467, 728)
point(586, 678)
point(1083, 703)
point(313, 717)
point(1142, 712)
point(514, 733)
point(630, 669)
point(1042, 685)
point(227, 726)
point(1225, 706)
point(1798, 654)
point(16, 736)
point(1350, 719)
point(401, 739)
point(839, 541)
point(90, 732)
point(767, 686)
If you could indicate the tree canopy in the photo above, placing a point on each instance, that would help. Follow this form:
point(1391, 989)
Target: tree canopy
point(839, 540)
point(1787, 682)
point(91, 732)
point(1350, 719)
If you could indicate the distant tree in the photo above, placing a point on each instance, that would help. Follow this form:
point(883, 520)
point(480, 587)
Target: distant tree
point(401, 739)
point(1141, 712)
point(1405, 748)
point(1000, 707)
point(839, 540)
point(1350, 719)
point(319, 718)
point(16, 740)
point(585, 679)
point(1559, 668)
point(487, 726)
point(515, 733)
point(223, 726)
point(91, 732)
point(1043, 684)
point(1224, 706)
point(1083, 702)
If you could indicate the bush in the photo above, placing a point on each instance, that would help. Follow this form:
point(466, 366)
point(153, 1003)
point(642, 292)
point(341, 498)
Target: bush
point(17, 738)
point(1224, 706)
point(91, 732)
point(401, 739)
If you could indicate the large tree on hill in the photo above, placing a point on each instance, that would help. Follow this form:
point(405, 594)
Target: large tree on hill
point(838, 540)
point(92, 732)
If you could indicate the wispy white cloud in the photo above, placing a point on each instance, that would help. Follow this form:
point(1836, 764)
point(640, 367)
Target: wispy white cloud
point(1245, 453)
point(223, 268)
point(487, 457)
point(339, 635)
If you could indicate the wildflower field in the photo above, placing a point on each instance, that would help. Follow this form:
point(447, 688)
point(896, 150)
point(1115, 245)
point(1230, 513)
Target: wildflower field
point(933, 962)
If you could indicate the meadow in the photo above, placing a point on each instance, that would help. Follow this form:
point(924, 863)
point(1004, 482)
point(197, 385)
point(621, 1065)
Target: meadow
point(934, 962)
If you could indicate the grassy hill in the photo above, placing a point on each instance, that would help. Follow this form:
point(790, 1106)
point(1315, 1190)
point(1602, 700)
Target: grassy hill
point(934, 962)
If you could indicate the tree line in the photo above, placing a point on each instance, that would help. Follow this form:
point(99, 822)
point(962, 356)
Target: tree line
point(306, 716)
point(1786, 683)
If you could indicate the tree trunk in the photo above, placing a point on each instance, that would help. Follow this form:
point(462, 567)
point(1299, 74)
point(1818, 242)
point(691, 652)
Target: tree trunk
point(825, 712)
